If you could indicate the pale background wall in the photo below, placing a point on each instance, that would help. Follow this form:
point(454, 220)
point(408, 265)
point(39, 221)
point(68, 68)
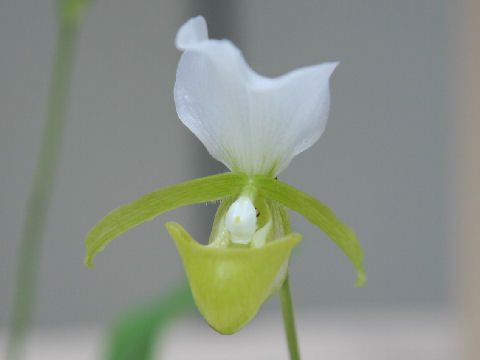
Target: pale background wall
point(381, 165)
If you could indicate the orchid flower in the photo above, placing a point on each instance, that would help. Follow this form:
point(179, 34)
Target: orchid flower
point(254, 125)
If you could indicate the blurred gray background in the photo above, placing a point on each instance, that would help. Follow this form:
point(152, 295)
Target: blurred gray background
point(381, 165)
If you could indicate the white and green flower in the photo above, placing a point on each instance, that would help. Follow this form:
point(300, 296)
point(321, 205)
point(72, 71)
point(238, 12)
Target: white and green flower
point(255, 126)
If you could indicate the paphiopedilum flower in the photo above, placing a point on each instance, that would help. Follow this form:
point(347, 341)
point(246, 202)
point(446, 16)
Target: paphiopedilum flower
point(255, 125)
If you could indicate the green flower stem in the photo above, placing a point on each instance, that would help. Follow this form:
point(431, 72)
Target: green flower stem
point(42, 188)
point(289, 320)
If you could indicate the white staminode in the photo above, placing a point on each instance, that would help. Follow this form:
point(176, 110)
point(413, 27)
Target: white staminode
point(241, 220)
point(251, 123)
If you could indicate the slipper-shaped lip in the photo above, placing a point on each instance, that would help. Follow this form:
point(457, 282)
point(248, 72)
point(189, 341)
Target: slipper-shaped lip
point(229, 285)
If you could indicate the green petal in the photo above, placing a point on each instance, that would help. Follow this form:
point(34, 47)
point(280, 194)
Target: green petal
point(125, 217)
point(230, 284)
point(318, 214)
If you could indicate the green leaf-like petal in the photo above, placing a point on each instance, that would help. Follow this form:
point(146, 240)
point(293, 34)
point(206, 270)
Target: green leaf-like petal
point(318, 214)
point(147, 207)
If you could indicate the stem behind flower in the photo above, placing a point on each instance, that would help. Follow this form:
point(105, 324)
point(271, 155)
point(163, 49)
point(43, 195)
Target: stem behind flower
point(289, 320)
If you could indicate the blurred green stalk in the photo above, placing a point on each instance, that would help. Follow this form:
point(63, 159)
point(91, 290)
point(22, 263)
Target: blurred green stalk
point(70, 12)
point(289, 320)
